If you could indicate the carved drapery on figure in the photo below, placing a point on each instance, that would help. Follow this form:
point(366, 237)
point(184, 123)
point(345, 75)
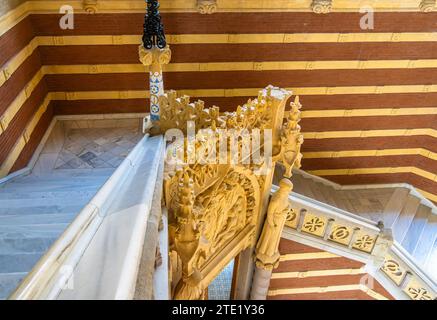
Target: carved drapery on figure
point(267, 254)
point(215, 208)
point(279, 210)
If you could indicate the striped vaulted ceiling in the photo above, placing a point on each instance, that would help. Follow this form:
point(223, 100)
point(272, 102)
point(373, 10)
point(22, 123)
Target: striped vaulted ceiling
point(369, 97)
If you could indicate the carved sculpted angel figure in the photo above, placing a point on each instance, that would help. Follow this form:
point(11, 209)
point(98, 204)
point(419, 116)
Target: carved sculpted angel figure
point(267, 254)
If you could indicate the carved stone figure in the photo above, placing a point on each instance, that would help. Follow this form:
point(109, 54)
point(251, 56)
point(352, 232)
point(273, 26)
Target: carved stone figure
point(267, 254)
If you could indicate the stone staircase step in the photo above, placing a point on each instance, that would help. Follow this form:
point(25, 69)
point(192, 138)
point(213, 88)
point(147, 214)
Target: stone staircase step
point(414, 231)
point(59, 195)
point(19, 262)
point(304, 187)
point(32, 231)
point(426, 240)
point(8, 282)
point(57, 208)
point(431, 262)
point(37, 202)
point(32, 180)
point(395, 205)
point(405, 218)
point(12, 188)
point(325, 190)
point(13, 220)
point(25, 245)
point(316, 190)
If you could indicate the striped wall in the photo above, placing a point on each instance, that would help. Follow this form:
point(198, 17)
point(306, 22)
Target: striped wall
point(306, 273)
point(370, 98)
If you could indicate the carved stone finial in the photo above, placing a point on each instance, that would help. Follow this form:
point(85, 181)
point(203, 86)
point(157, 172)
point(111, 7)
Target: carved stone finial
point(321, 6)
point(427, 5)
point(207, 6)
point(291, 140)
point(90, 6)
point(267, 248)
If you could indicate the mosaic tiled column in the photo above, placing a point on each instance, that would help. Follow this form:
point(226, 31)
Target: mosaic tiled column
point(154, 59)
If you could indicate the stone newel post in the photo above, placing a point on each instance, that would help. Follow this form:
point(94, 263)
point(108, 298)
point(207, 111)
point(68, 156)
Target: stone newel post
point(154, 53)
point(155, 58)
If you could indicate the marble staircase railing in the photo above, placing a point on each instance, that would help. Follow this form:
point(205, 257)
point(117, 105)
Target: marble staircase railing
point(328, 228)
point(98, 256)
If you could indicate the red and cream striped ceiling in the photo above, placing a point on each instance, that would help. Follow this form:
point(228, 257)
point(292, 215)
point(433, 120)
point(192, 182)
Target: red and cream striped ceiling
point(306, 273)
point(369, 96)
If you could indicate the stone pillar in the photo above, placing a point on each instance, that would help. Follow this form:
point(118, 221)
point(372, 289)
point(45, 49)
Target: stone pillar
point(154, 59)
point(261, 283)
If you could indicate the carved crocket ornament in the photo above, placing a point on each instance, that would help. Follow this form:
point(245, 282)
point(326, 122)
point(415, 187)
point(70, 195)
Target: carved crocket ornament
point(187, 239)
point(290, 155)
point(267, 252)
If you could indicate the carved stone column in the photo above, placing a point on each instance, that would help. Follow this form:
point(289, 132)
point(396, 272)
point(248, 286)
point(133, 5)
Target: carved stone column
point(154, 53)
point(155, 58)
point(267, 248)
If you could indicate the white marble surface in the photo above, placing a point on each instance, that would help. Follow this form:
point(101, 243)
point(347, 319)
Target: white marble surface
point(108, 268)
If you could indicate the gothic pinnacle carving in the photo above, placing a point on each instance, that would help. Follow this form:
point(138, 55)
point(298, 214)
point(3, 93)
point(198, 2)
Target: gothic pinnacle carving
point(153, 35)
point(427, 5)
point(207, 6)
point(321, 6)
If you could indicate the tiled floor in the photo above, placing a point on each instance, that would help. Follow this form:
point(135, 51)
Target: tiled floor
point(220, 288)
point(96, 147)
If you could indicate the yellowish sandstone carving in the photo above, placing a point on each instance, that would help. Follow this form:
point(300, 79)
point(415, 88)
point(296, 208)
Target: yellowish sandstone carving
point(90, 6)
point(267, 254)
point(321, 6)
point(214, 208)
point(427, 5)
point(291, 140)
point(155, 56)
point(207, 6)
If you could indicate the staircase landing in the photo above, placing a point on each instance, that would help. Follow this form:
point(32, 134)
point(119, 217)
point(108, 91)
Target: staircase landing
point(77, 159)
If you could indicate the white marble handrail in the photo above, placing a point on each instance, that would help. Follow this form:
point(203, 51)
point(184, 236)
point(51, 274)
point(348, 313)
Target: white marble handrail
point(98, 255)
point(305, 202)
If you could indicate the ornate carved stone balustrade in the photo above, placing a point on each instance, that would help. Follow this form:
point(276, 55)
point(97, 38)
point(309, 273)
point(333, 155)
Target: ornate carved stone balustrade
point(332, 228)
point(216, 209)
point(400, 269)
